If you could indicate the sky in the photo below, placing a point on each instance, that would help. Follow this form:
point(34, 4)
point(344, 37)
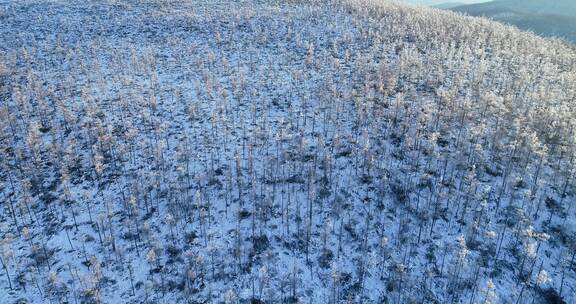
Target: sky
point(435, 2)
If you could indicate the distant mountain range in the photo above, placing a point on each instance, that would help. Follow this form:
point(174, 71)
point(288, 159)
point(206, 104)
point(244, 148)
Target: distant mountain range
point(555, 18)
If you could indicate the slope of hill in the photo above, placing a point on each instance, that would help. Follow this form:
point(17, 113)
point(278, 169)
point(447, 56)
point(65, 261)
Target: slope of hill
point(548, 18)
point(177, 151)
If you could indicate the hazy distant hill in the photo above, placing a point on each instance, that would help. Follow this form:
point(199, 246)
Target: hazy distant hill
point(547, 18)
point(442, 3)
point(448, 5)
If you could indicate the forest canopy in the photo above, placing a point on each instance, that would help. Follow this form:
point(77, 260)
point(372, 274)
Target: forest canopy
point(258, 151)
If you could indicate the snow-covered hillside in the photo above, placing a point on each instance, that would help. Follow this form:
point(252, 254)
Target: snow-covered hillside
point(202, 151)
